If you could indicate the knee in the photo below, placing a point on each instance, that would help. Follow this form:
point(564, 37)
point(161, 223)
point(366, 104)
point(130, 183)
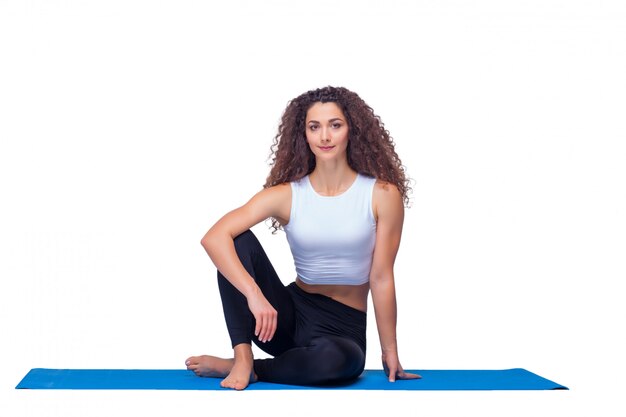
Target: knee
point(245, 241)
point(341, 359)
point(241, 241)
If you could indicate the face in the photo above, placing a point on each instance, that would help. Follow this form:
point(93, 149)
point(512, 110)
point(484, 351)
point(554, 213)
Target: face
point(327, 130)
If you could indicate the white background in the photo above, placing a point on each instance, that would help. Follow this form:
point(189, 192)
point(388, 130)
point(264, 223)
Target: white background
point(128, 127)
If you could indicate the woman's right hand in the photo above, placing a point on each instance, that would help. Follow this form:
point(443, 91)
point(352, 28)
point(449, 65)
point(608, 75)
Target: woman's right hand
point(265, 315)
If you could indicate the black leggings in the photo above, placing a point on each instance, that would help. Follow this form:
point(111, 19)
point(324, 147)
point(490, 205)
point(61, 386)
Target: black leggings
point(318, 340)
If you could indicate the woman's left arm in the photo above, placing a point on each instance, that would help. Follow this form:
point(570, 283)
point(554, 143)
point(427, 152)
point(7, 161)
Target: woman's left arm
point(389, 212)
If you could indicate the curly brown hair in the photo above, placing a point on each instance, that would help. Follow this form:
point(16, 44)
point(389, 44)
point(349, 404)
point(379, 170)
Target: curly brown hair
point(371, 149)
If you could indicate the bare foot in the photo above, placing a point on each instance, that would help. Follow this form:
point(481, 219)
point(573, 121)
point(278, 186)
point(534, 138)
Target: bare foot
point(242, 372)
point(209, 366)
point(239, 377)
point(237, 372)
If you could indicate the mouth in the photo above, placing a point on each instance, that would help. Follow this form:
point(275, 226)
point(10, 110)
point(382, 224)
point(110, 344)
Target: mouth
point(325, 148)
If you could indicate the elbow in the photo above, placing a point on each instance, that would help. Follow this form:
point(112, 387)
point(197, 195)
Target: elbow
point(381, 280)
point(204, 242)
point(208, 240)
point(374, 285)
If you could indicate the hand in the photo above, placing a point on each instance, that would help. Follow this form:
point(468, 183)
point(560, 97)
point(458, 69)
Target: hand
point(265, 315)
point(393, 369)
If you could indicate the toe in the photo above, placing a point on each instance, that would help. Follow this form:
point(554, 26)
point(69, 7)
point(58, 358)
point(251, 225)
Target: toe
point(191, 360)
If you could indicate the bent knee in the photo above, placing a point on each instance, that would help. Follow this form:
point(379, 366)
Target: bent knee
point(246, 241)
point(341, 359)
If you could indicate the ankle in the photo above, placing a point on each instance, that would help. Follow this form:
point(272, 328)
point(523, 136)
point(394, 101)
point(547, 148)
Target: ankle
point(243, 351)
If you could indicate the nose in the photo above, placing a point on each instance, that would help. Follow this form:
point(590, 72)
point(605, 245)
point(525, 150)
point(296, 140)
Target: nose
point(325, 134)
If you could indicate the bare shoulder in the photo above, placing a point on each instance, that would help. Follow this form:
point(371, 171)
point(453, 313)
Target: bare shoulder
point(280, 191)
point(386, 188)
point(386, 193)
point(386, 199)
point(275, 201)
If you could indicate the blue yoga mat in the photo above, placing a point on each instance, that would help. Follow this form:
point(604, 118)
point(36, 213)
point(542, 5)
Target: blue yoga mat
point(174, 379)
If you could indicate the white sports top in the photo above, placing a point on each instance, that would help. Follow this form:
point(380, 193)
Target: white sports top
point(332, 238)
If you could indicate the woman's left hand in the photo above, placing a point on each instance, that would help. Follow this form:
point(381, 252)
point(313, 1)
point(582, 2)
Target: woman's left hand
point(393, 369)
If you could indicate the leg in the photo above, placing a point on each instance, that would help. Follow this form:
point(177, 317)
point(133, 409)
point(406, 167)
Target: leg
point(329, 344)
point(240, 322)
point(326, 360)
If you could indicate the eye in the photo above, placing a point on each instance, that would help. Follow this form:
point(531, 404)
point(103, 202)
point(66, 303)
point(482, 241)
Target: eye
point(313, 127)
point(336, 125)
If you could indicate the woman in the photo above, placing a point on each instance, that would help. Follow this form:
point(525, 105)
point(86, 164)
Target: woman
point(338, 190)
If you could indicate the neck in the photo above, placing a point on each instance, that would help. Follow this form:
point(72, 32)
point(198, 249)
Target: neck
point(332, 178)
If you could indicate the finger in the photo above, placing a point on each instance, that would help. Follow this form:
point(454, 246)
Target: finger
point(392, 373)
point(263, 331)
point(257, 326)
point(268, 326)
point(273, 326)
point(408, 375)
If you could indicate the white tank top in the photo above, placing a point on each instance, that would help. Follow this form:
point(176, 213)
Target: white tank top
point(332, 238)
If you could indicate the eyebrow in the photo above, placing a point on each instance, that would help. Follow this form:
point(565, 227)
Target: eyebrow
point(331, 120)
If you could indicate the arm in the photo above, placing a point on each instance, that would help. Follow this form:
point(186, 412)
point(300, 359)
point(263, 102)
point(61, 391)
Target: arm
point(389, 212)
point(218, 243)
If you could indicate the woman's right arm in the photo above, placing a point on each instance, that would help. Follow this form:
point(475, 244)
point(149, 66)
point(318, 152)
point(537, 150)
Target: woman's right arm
point(219, 244)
